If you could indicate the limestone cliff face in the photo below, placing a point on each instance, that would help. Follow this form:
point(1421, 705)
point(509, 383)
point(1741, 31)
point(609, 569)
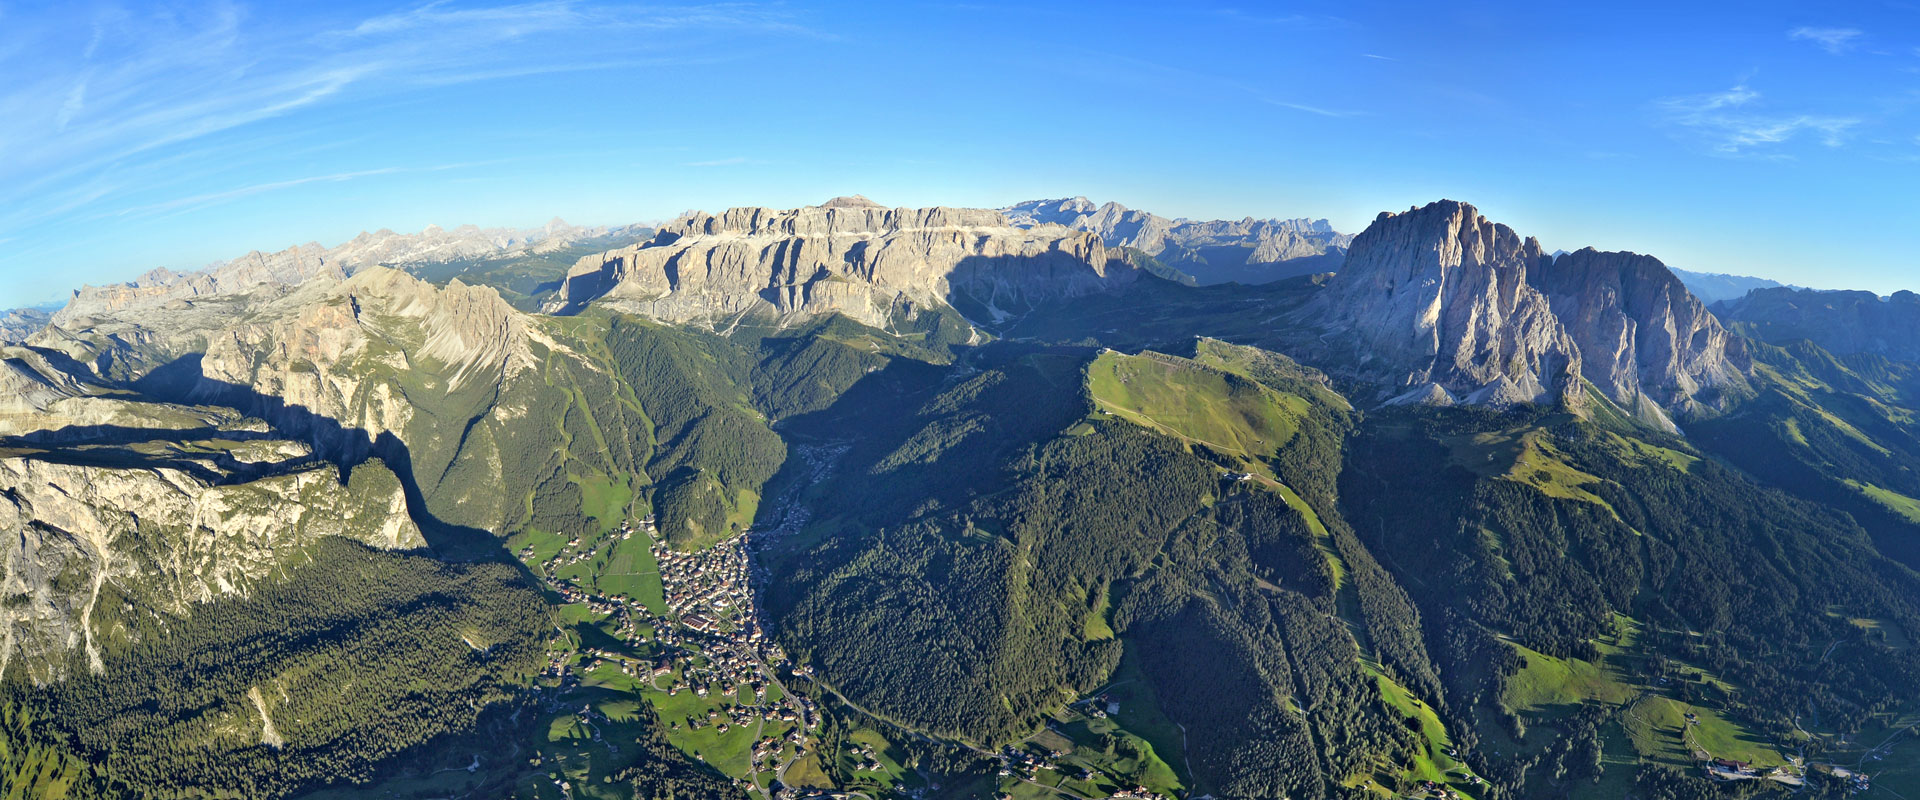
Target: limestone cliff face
point(328, 360)
point(866, 262)
point(377, 365)
point(81, 547)
point(1645, 341)
point(1436, 304)
point(1442, 306)
point(29, 384)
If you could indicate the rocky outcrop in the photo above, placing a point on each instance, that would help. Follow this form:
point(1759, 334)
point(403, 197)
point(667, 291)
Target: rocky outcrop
point(1645, 341)
point(1246, 251)
point(1841, 322)
point(1439, 298)
point(83, 547)
point(850, 257)
point(29, 384)
point(335, 351)
point(1438, 305)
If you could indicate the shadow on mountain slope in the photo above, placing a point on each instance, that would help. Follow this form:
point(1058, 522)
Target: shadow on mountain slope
point(182, 381)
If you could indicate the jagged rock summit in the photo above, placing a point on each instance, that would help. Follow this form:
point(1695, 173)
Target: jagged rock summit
point(849, 256)
point(1440, 305)
point(1440, 296)
point(1645, 340)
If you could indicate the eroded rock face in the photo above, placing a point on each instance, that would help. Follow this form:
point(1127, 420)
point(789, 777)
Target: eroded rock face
point(81, 547)
point(324, 360)
point(1440, 297)
point(848, 256)
point(1645, 341)
point(1442, 306)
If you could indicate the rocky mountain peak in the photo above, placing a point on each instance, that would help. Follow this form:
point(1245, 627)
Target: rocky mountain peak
point(296, 265)
point(851, 201)
point(1440, 304)
point(1440, 295)
point(1645, 341)
point(1841, 322)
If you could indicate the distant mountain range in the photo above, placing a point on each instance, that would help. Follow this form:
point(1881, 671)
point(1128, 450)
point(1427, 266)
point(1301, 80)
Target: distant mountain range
point(1249, 251)
point(1713, 287)
point(434, 246)
point(1841, 322)
point(18, 324)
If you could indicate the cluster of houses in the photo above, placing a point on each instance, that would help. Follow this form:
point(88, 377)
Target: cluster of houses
point(867, 759)
point(1015, 761)
point(574, 554)
point(708, 590)
point(717, 646)
point(1436, 789)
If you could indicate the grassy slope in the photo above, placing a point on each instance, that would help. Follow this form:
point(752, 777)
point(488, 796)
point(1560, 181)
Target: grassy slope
point(1224, 411)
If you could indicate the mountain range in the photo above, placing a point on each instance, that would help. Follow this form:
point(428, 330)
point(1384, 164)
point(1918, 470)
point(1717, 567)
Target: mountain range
point(947, 502)
point(1221, 251)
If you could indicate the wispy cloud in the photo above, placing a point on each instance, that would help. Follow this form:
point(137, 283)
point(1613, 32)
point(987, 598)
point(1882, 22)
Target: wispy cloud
point(1302, 107)
point(90, 99)
point(719, 162)
point(1833, 40)
point(1733, 123)
point(1379, 57)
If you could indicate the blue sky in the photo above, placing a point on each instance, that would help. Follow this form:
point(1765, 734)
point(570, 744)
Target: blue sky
point(1772, 139)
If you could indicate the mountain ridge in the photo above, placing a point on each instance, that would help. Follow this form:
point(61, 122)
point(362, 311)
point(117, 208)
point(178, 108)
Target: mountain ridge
point(1247, 250)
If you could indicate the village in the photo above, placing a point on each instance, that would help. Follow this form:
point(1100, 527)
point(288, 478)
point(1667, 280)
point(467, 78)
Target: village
point(710, 644)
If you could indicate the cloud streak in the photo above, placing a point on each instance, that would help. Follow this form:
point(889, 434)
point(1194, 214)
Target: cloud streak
point(1731, 123)
point(1832, 40)
point(97, 99)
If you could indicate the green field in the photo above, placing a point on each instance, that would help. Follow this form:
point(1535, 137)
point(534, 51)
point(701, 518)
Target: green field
point(729, 751)
point(1140, 716)
point(1907, 507)
point(1221, 410)
point(605, 499)
point(631, 571)
point(1430, 762)
point(1547, 682)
